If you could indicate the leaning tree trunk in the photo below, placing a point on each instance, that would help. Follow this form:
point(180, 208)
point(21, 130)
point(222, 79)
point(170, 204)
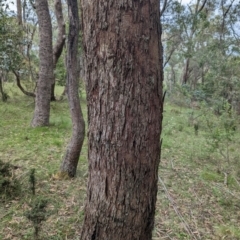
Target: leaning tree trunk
point(124, 93)
point(70, 160)
point(43, 92)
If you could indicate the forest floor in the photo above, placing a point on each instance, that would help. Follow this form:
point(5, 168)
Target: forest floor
point(199, 173)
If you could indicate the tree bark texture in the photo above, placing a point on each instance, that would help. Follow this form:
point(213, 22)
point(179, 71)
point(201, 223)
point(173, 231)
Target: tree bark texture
point(123, 69)
point(43, 91)
point(71, 158)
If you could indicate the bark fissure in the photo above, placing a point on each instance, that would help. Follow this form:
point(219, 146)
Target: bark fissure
point(124, 94)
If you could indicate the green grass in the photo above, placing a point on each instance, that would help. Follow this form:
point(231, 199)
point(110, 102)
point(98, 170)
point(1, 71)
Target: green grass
point(229, 232)
point(203, 186)
point(42, 149)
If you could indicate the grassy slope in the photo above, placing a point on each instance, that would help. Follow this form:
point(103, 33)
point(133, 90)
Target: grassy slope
point(194, 203)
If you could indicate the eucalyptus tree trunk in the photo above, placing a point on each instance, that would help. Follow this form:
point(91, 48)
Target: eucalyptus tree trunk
point(186, 70)
point(71, 157)
point(43, 90)
point(4, 95)
point(199, 7)
point(19, 12)
point(123, 61)
point(58, 47)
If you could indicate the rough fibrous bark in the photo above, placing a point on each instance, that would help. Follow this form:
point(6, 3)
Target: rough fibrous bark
point(123, 69)
point(70, 160)
point(43, 91)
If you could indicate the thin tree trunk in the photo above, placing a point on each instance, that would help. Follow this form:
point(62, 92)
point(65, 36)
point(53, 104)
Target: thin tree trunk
point(28, 48)
point(199, 7)
point(19, 12)
point(186, 72)
point(124, 93)
point(18, 80)
point(43, 91)
point(1, 89)
point(4, 95)
point(57, 49)
point(71, 158)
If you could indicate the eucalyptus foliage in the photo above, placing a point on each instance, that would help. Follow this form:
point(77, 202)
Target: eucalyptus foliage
point(201, 47)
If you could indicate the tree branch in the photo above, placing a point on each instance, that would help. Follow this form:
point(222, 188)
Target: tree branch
point(169, 57)
point(164, 7)
point(20, 86)
point(226, 12)
point(201, 8)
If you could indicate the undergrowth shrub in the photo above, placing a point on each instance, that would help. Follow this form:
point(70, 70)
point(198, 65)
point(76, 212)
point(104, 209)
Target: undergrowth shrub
point(37, 214)
point(220, 134)
point(9, 184)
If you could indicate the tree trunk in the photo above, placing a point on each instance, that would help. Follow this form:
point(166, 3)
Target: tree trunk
point(57, 50)
point(19, 12)
point(124, 93)
point(43, 91)
point(18, 80)
point(186, 72)
point(4, 95)
point(70, 160)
